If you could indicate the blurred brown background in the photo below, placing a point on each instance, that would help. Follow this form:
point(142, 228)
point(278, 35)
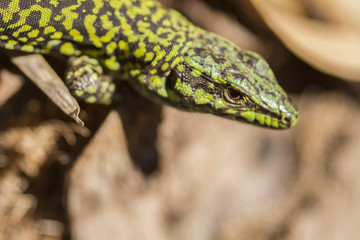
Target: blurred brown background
point(139, 171)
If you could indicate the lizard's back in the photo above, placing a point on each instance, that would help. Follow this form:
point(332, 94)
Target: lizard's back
point(113, 30)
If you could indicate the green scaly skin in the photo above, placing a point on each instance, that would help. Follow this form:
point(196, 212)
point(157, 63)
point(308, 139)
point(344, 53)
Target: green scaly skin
point(158, 51)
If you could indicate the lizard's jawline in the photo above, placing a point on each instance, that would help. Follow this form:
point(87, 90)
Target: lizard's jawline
point(258, 118)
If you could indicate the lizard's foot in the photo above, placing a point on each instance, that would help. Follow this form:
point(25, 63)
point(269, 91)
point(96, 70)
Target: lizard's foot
point(86, 82)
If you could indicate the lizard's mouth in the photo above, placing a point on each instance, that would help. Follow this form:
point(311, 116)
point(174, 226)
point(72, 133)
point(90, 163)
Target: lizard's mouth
point(260, 118)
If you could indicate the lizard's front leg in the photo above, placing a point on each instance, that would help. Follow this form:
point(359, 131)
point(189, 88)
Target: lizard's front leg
point(86, 82)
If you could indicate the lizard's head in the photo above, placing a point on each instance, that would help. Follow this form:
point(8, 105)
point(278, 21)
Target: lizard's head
point(217, 77)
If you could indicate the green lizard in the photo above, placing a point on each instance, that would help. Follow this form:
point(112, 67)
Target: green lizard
point(161, 54)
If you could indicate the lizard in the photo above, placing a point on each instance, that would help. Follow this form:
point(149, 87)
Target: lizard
point(158, 51)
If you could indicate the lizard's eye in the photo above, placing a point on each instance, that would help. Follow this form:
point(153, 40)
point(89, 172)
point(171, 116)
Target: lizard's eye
point(232, 95)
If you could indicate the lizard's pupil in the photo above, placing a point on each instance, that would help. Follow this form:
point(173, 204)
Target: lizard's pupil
point(233, 94)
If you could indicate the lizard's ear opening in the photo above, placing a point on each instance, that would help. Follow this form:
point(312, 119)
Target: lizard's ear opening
point(171, 79)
